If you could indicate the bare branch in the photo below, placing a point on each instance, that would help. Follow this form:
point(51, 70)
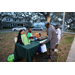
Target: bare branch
point(47, 13)
point(44, 14)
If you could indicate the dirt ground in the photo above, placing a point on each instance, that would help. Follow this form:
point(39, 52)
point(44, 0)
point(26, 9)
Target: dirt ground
point(7, 46)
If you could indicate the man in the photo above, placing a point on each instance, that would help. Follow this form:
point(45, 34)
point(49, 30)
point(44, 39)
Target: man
point(58, 32)
point(52, 37)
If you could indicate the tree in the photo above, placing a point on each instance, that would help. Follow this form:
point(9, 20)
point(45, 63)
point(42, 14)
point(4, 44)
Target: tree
point(46, 15)
point(52, 17)
point(1, 27)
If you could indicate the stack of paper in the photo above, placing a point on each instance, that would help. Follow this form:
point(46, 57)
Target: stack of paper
point(43, 40)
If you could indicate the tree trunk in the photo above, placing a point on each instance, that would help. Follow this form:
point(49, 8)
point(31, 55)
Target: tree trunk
point(1, 26)
point(47, 16)
point(48, 19)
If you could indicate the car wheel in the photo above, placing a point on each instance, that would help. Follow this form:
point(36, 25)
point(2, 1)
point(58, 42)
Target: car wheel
point(15, 30)
point(33, 29)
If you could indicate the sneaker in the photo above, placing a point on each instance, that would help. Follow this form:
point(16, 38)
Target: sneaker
point(48, 57)
point(51, 57)
point(56, 50)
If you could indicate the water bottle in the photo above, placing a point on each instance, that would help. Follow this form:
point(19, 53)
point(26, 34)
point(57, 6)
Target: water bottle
point(34, 38)
point(30, 40)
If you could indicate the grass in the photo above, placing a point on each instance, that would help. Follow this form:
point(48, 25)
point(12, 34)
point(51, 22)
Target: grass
point(5, 29)
point(59, 49)
point(68, 40)
point(63, 48)
point(7, 46)
point(60, 45)
point(64, 35)
point(1, 39)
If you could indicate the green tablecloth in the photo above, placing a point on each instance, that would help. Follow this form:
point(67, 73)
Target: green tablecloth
point(27, 51)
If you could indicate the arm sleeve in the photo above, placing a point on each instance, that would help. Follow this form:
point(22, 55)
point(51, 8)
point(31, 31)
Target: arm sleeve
point(59, 34)
point(49, 36)
point(31, 37)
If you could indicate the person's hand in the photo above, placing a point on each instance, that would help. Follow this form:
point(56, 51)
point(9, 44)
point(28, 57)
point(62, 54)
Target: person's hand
point(38, 37)
point(43, 43)
point(32, 39)
point(33, 36)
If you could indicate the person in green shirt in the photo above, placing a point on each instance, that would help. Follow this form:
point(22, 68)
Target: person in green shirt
point(29, 34)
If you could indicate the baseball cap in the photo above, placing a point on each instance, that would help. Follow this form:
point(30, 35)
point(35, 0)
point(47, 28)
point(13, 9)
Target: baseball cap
point(39, 32)
point(46, 22)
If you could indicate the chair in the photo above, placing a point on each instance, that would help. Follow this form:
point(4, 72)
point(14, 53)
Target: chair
point(15, 39)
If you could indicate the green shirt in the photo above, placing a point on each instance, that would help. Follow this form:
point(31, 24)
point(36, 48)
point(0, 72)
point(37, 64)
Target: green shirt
point(29, 35)
point(25, 40)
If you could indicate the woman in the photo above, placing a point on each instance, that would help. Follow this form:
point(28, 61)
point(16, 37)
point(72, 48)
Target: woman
point(19, 37)
point(22, 38)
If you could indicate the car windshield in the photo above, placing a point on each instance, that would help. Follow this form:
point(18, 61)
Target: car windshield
point(19, 27)
point(38, 27)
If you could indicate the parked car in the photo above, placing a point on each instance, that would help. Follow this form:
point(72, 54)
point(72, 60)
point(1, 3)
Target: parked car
point(37, 28)
point(18, 28)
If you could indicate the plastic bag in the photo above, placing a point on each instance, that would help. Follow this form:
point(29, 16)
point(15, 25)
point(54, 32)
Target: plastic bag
point(43, 48)
point(10, 58)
